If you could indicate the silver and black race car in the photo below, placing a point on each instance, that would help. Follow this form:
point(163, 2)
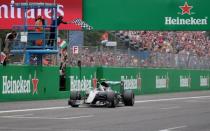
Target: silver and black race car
point(102, 95)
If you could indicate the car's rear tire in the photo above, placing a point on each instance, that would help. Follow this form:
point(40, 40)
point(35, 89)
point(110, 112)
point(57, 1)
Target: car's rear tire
point(73, 103)
point(128, 98)
point(112, 100)
point(74, 97)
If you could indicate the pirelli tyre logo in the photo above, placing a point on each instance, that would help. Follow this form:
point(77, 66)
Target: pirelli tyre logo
point(186, 10)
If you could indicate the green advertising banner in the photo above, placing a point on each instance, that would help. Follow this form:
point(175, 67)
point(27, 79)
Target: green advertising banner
point(36, 83)
point(81, 79)
point(131, 78)
point(30, 83)
point(157, 80)
point(147, 14)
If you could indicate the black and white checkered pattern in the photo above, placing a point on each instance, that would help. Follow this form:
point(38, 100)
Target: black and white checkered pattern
point(82, 24)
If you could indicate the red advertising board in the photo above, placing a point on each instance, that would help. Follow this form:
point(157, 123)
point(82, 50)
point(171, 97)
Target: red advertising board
point(10, 15)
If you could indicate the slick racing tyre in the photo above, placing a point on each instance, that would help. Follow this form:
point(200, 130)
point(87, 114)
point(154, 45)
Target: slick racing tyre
point(128, 98)
point(112, 100)
point(74, 99)
point(73, 103)
point(75, 95)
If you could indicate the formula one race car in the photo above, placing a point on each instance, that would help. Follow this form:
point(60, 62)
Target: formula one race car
point(103, 95)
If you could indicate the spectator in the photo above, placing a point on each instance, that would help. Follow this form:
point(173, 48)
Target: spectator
point(54, 25)
point(64, 60)
point(39, 23)
point(10, 37)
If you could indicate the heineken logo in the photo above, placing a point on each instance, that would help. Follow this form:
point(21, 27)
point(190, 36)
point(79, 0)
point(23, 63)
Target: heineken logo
point(186, 10)
point(131, 83)
point(185, 81)
point(78, 84)
point(16, 86)
point(162, 81)
point(19, 85)
point(35, 84)
point(190, 21)
point(204, 80)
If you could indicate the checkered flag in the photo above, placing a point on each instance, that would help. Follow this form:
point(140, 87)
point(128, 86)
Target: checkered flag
point(82, 24)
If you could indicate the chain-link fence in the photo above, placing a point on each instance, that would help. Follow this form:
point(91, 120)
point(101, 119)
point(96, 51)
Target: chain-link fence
point(177, 61)
point(98, 56)
point(105, 56)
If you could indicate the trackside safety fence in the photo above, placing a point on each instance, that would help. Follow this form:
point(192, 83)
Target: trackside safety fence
point(37, 82)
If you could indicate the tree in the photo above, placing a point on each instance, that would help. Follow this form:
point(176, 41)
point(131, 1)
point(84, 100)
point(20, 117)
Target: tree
point(93, 38)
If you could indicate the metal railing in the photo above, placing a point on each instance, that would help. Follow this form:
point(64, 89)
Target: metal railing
point(32, 36)
point(95, 56)
point(1, 43)
point(100, 56)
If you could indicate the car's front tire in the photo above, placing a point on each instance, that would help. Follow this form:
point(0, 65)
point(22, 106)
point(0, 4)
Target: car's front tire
point(73, 103)
point(112, 100)
point(74, 97)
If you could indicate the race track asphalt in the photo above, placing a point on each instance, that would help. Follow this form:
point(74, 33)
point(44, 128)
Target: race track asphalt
point(188, 111)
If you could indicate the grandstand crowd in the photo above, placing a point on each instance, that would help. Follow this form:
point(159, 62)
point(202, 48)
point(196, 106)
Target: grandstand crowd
point(190, 49)
point(184, 42)
point(105, 57)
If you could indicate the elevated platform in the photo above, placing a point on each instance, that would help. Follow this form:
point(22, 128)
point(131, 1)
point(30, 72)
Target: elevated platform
point(38, 52)
point(30, 41)
point(35, 51)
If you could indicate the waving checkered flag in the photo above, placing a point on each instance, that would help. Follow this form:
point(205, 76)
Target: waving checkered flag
point(82, 24)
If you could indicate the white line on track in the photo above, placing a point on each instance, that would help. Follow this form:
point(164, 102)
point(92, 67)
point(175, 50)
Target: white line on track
point(168, 108)
point(48, 118)
point(18, 115)
point(37, 129)
point(173, 128)
point(65, 107)
point(35, 109)
point(192, 101)
point(172, 99)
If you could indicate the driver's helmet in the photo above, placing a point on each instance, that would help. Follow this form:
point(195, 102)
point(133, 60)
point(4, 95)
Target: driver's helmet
point(104, 84)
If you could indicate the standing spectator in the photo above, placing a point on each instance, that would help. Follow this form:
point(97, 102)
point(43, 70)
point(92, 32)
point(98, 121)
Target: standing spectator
point(64, 60)
point(52, 37)
point(10, 37)
point(39, 28)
